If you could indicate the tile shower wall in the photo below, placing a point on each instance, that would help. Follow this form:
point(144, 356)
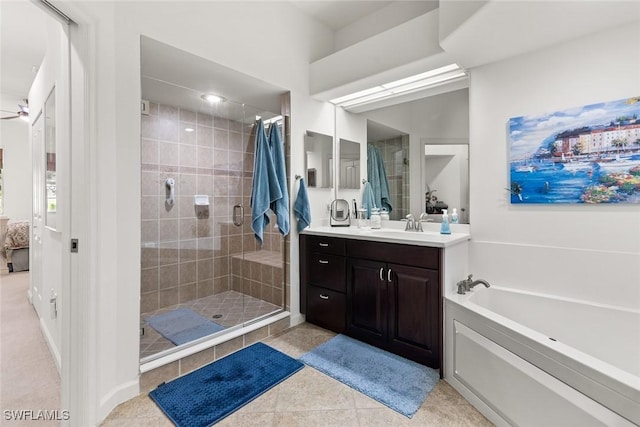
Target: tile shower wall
point(395, 155)
point(183, 257)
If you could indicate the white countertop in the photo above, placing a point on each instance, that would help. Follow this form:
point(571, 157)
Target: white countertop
point(390, 234)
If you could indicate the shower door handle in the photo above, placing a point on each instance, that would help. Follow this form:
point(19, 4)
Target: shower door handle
point(238, 221)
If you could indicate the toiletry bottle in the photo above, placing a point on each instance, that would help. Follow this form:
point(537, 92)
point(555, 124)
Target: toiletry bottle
point(376, 220)
point(454, 216)
point(444, 226)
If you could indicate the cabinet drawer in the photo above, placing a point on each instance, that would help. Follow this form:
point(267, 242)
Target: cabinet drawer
point(417, 256)
point(326, 308)
point(327, 245)
point(327, 271)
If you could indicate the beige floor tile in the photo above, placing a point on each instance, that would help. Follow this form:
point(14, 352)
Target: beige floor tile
point(310, 398)
point(240, 419)
point(140, 406)
point(454, 416)
point(444, 395)
point(310, 390)
point(382, 417)
point(326, 418)
point(300, 339)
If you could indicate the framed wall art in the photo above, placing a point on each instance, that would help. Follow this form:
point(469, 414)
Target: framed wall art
point(588, 154)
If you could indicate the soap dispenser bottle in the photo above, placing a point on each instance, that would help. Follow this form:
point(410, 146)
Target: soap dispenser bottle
point(444, 225)
point(454, 216)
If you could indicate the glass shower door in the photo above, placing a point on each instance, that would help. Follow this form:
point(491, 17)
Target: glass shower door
point(259, 275)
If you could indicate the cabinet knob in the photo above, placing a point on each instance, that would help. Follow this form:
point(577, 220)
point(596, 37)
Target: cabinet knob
point(324, 245)
point(322, 261)
point(323, 296)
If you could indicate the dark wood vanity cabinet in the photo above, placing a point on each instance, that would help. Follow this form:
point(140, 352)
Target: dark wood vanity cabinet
point(322, 278)
point(391, 294)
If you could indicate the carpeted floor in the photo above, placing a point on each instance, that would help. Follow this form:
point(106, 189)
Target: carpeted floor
point(29, 379)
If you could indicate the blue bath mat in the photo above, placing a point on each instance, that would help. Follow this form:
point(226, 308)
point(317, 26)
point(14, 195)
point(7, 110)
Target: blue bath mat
point(209, 394)
point(394, 381)
point(182, 325)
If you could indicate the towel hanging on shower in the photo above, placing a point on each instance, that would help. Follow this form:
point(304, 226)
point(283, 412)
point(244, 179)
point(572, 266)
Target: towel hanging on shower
point(281, 205)
point(265, 188)
point(377, 177)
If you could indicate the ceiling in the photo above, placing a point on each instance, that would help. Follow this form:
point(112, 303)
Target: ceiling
point(22, 46)
point(22, 49)
point(337, 14)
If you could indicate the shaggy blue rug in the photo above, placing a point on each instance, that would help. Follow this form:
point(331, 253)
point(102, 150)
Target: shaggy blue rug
point(209, 394)
point(182, 325)
point(394, 381)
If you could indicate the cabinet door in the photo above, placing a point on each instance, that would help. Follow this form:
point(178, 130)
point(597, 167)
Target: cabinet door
point(414, 314)
point(367, 301)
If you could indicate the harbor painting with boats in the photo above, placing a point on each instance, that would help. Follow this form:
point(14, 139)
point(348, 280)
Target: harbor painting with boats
point(589, 154)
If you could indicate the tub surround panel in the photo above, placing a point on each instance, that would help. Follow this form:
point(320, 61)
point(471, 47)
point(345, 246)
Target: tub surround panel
point(613, 394)
point(590, 275)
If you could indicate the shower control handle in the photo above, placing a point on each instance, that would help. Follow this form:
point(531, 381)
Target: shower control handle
point(238, 221)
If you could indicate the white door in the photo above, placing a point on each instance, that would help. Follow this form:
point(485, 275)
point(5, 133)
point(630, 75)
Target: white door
point(50, 101)
point(35, 249)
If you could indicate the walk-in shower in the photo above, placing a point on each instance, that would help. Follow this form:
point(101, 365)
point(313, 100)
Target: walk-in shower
point(202, 270)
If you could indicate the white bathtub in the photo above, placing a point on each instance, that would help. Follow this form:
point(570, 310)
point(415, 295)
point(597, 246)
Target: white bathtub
point(532, 359)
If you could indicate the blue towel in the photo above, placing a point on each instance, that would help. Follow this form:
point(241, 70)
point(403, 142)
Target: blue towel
point(377, 177)
point(265, 188)
point(301, 209)
point(281, 206)
point(368, 201)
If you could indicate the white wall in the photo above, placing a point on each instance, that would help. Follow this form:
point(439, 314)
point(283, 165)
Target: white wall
point(581, 251)
point(14, 140)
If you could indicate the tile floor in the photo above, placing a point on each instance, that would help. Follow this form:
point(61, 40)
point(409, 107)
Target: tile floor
point(229, 308)
point(310, 398)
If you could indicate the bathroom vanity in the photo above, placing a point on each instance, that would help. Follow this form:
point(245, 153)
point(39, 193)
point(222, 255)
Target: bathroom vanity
point(383, 287)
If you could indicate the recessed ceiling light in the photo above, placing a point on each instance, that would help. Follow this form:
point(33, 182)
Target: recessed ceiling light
point(211, 98)
point(189, 129)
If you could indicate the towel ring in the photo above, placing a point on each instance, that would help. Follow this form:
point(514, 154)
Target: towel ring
point(298, 177)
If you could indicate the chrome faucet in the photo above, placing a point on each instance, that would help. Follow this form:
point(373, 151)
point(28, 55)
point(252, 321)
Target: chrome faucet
point(411, 223)
point(467, 284)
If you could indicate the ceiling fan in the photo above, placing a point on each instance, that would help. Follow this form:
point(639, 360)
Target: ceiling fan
point(22, 113)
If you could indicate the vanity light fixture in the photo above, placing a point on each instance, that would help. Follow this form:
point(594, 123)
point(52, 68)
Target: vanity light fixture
point(431, 78)
point(212, 99)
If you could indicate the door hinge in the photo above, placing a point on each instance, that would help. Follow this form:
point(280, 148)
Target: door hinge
point(74, 246)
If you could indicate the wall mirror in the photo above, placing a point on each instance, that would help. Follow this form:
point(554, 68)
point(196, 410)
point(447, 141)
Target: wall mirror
point(349, 172)
point(425, 146)
point(50, 159)
point(318, 160)
point(446, 176)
